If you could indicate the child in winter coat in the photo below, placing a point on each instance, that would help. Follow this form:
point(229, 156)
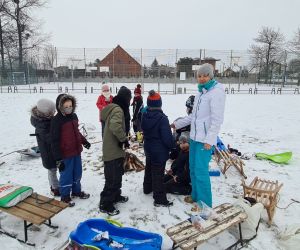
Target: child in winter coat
point(177, 180)
point(158, 141)
point(137, 106)
point(103, 100)
point(66, 145)
point(114, 140)
point(41, 115)
point(205, 121)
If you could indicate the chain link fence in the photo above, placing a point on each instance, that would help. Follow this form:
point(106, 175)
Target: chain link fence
point(122, 65)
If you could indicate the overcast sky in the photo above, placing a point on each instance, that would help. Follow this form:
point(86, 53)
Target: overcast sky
point(182, 24)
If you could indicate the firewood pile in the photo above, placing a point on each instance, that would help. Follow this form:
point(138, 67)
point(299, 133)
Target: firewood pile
point(132, 163)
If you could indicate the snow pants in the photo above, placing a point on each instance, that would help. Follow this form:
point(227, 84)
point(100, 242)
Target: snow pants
point(154, 179)
point(70, 177)
point(199, 164)
point(113, 172)
point(52, 177)
point(181, 188)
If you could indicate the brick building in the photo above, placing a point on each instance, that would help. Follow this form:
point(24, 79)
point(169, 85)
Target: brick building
point(120, 64)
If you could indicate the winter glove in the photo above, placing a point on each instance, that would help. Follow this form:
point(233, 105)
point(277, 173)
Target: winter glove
point(87, 145)
point(125, 143)
point(60, 165)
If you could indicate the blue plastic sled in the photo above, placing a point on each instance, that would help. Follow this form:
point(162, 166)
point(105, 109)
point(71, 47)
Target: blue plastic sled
point(130, 238)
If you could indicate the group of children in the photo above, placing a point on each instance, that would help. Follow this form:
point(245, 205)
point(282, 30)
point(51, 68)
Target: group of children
point(188, 174)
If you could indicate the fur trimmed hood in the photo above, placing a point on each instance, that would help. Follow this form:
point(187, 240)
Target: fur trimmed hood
point(39, 115)
point(63, 99)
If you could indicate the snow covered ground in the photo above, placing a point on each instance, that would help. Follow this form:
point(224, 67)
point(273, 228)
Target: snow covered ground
point(253, 123)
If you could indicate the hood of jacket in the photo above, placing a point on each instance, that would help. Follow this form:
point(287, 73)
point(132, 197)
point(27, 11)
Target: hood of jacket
point(38, 115)
point(61, 99)
point(107, 110)
point(151, 118)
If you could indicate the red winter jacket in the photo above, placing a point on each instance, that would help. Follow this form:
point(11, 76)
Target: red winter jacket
point(102, 103)
point(66, 139)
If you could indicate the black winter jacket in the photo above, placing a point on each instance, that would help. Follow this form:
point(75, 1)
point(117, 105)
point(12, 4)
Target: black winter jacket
point(158, 139)
point(42, 131)
point(137, 105)
point(181, 167)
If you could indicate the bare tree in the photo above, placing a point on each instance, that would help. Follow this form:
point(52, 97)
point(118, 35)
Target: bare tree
point(3, 24)
point(49, 56)
point(268, 49)
point(20, 11)
point(294, 44)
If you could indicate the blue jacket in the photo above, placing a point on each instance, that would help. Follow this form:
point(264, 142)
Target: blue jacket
point(158, 139)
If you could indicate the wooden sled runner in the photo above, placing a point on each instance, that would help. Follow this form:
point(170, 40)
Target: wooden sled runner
point(185, 236)
point(36, 209)
point(265, 192)
point(228, 161)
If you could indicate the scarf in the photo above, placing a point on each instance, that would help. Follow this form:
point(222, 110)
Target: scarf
point(208, 85)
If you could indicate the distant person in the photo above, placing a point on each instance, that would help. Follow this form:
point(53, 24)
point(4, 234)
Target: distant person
point(66, 145)
point(115, 141)
point(158, 142)
point(137, 106)
point(205, 121)
point(41, 115)
point(103, 100)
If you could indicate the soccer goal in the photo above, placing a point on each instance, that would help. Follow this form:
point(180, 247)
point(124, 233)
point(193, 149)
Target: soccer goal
point(18, 78)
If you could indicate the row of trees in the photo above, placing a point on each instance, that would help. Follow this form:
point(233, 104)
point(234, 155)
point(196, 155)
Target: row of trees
point(20, 33)
point(269, 54)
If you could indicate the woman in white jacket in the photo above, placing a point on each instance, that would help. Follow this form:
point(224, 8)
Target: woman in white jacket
point(205, 121)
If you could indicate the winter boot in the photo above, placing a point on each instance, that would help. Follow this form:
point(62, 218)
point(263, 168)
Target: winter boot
point(108, 209)
point(121, 199)
point(188, 199)
point(54, 191)
point(81, 195)
point(163, 204)
point(68, 200)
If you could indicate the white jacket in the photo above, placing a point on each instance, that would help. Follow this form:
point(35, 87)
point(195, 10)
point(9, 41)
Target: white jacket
point(207, 115)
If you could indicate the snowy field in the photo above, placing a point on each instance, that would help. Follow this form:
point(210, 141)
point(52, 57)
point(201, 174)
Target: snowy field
point(253, 123)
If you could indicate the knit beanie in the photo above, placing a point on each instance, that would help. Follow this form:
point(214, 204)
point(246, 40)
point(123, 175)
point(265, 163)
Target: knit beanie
point(45, 106)
point(125, 94)
point(154, 100)
point(206, 69)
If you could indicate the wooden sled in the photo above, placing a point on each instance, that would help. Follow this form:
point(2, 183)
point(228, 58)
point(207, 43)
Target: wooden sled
point(185, 236)
point(265, 192)
point(35, 209)
point(229, 160)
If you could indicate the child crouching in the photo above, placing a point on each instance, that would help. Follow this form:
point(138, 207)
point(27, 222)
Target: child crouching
point(177, 179)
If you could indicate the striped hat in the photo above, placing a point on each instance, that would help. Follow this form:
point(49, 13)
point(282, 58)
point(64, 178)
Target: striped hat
point(154, 100)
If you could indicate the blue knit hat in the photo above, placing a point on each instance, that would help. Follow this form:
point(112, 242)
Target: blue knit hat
point(154, 100)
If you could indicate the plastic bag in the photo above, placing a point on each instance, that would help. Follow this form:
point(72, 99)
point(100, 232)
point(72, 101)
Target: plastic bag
point(197, 222)
point(206, 212)
point(289, 239)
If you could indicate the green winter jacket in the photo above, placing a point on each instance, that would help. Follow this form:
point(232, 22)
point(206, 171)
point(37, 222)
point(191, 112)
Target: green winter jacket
point(114, 132)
